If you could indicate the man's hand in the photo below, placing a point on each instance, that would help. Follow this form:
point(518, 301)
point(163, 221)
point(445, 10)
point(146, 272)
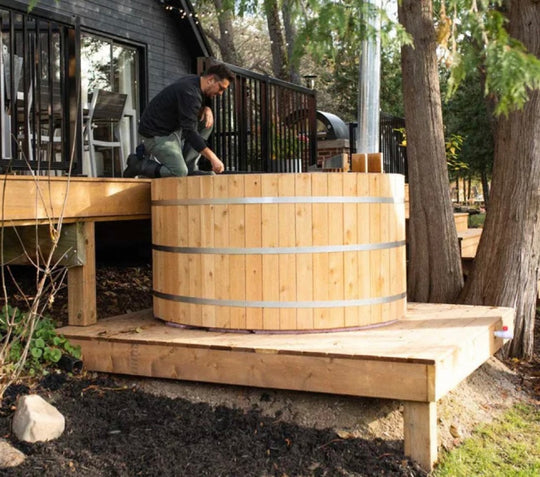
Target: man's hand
point(208, 117)
point(217, 166)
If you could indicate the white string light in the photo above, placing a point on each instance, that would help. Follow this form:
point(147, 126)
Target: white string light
point(182, 13)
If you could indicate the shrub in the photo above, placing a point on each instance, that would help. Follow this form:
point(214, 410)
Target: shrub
point(45, 347)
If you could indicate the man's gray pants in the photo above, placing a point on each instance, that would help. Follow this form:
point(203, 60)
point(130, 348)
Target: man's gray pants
point(176, 157)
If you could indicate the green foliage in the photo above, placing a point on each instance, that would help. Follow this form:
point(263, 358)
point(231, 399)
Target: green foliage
point(481, 43)
point(467, 114)
point(511, 72)
point(453, 147)
point(476, 221)
point(330, 28)
point(507, 447)
point(33, 4)
point(338, 83)
point(45, 346)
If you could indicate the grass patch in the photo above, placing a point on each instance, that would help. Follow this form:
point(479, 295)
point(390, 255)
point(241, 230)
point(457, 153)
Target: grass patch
point(476, 220)
point(509, 446)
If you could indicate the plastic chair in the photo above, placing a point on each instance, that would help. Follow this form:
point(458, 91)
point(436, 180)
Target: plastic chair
point(106, 109)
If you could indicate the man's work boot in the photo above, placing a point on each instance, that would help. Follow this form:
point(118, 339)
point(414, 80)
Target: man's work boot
point(137, 166)
point(134, 163)
point(150, 168)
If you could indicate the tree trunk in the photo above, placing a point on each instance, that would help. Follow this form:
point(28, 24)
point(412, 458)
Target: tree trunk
point(435, 265)
point(290, 36)
point(225, 41)
point(485, 188)
point(506, 265)
point(275, 30)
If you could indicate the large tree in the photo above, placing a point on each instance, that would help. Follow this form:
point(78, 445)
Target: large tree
point(276, 31)
point(435, 267)
point(506, 266)
point(225, 40)
point(507, 262)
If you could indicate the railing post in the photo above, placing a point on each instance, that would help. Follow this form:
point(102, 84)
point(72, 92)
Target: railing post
point(72, 65)
point(312, 128)
point(265, 126)
point(242, 117)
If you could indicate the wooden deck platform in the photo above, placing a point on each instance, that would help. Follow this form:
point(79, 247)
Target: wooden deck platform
point(27, 200)
point(30, 201)
point(418, 359)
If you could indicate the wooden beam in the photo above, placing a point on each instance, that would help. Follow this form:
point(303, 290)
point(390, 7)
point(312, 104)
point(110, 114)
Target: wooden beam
point(25, 244)
point(29, 200)
point(82, 282)
point(420, 432)
point(354, 377)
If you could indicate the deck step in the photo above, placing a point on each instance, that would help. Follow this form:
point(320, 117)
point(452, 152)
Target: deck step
point(462, 221)
point(417, 359)
point(468, 242)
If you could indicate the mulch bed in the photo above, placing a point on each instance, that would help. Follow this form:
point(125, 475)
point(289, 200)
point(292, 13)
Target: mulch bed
point(117, 431)
point(114, 430)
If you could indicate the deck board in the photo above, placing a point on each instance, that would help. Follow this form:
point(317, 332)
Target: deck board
point(429, 335)
point(417, 359)
point(28, 200)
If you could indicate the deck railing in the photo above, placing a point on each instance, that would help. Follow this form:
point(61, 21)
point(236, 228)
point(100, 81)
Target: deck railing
point(263, 124)
point(39, 107)
point(391, 143)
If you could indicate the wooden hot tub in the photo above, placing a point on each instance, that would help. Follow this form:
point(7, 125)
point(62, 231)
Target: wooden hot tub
point(279, 252)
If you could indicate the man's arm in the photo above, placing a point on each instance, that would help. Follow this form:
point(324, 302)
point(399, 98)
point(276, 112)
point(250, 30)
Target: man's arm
point(208, 117)
point(217, 165)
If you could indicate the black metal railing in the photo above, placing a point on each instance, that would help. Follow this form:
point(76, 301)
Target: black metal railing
point(38, 93)
point(263, 124)
point(392, 135)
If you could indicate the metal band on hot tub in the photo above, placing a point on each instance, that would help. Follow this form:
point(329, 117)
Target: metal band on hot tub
point(279, 304)
point(280, 250)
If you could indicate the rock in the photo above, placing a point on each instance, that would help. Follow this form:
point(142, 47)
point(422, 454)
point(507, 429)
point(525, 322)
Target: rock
point(455, 431)
point(36, 420)
point(9, 456)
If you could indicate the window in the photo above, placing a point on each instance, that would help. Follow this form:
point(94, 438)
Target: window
point(112, 66)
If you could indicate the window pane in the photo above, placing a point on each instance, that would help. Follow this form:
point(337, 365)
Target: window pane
point(108, 65)
point(95, 66)
point(125, 73)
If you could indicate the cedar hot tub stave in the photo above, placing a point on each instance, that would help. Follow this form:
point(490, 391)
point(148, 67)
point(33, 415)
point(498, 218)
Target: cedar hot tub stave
point(279, 252)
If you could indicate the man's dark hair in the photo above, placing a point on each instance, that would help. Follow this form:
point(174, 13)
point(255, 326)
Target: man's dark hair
point(220, 71)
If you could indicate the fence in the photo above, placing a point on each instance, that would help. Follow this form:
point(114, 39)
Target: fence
point(392, 134)
point(38, 93)
point(263, 124)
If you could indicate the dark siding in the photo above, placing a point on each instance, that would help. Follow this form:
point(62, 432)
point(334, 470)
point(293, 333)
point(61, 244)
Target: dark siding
point(171, 52)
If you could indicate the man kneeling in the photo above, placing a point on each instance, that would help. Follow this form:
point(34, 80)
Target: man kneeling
point(175, 127)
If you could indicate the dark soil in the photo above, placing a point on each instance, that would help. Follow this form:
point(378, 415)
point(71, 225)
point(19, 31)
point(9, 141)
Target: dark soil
point(119, 431)
point(114, 430)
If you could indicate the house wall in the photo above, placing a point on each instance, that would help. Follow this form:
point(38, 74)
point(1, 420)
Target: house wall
point(170, 45)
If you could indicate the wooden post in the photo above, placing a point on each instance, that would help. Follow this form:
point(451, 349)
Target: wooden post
point(420, 432)
point(82, 282)
point(375, 162)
